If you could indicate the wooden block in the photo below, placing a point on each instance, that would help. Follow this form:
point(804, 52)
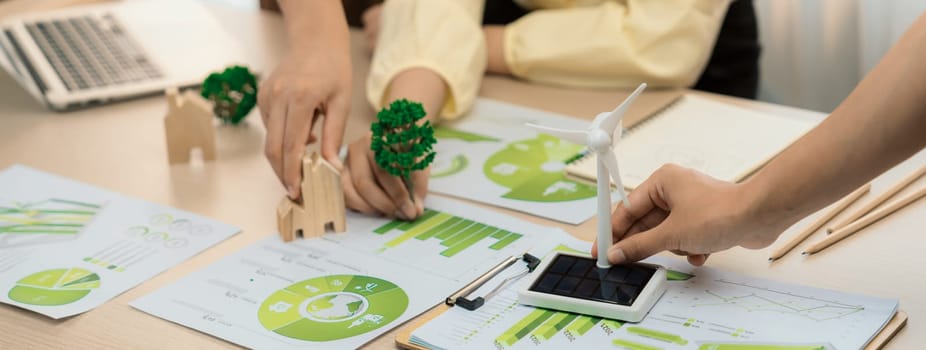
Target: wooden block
point(188, 126)
point(322, 202)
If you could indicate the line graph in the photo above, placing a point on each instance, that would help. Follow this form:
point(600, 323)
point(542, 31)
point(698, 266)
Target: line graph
point(759, 299)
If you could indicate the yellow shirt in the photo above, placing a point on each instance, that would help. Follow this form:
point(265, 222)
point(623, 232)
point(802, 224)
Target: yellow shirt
point(581, 43)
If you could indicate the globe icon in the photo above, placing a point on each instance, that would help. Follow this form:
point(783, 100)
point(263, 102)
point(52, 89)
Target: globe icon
point(334, 307)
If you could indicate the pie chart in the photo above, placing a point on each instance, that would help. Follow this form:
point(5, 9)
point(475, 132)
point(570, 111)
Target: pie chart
point(332, 307)
point(532, 170)
point(54, 287)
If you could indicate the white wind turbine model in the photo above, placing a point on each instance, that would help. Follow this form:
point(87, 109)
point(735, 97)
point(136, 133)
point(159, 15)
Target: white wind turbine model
point(600, 137)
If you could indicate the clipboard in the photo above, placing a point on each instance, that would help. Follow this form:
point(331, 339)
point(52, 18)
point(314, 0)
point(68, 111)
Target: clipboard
point(404, 335)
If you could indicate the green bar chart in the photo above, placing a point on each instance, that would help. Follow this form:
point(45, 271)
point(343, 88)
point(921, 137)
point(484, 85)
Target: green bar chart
point(582, 325)
point(456, 234)
point(525, 326)
point(51, 216)
point(543, 324)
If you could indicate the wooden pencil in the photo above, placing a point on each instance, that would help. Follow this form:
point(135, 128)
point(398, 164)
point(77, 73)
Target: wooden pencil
point(865, 221)
point(822, 220)
point(878, 200)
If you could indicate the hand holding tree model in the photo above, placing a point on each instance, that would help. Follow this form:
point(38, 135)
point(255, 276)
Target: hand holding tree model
point(232, 92)
point(399, 144)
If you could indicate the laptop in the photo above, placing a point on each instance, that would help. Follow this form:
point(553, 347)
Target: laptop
point(93, 54)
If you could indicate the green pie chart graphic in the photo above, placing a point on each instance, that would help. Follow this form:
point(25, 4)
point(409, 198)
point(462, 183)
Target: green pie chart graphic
point(533, 170)
point(54, 287)
point(332, 307)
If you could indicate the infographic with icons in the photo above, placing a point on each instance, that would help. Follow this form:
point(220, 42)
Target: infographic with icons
point(341, 290)
point(68, 247)
point(491, 157)
point(704, 309)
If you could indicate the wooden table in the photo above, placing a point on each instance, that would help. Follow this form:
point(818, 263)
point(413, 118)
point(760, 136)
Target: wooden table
point(121, 147)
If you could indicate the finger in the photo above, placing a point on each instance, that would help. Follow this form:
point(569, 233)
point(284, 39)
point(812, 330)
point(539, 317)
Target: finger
point(698, 259)
point(394, 188)
point(641, 203)
point(333, 129)
point(420, 178)
point(642, 245)
point(364, 182)
point(264, 101)
point(273, 143)
point(645, 223)
point(296, 135)
point(352, 199)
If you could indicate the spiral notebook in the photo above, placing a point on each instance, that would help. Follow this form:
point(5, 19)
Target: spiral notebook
point(715, 138)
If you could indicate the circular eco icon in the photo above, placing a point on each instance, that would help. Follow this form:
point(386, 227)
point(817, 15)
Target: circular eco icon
point(332, 307)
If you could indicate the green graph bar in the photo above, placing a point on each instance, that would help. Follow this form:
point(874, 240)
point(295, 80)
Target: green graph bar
point(421, 226)
point(439, 228)
point(500, 234)
point(407, 225)
point(504, 242)
point(63, 211)
point(39, 231)
point(89, 205)
point(658, 335)
point(759, 347)
point(582, 325)
point(459, 247)
point(614, 325)
point(554, 325)
point(388, 227)
point(524, 326)
point(629, 345)
point(462, 235)
point(462, 225)
point(672, 275)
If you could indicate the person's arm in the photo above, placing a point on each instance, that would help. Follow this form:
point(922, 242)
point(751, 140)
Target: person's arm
point(882, 122)
point(427, 51)
point(440, 36)
point(614, 44)
point(315, 74)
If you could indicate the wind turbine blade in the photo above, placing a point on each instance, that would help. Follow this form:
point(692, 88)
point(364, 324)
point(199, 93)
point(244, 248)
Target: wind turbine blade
point(613, 120)
point(610, 162)
point(575, 136)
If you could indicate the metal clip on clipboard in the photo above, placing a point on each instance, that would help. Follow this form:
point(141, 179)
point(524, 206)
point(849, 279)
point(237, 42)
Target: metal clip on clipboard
point(459, 298)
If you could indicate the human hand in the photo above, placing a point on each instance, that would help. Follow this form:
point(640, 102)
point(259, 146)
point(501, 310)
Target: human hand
point(309, 82)
point(371, 20)
point(688, 213)
point(371, 190)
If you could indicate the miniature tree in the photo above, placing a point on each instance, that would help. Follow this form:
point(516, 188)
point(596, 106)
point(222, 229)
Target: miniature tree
point(399, 144)
point(233, 93)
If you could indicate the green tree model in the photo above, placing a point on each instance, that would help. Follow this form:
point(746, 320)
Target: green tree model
point(233, 93)
point(399, 144)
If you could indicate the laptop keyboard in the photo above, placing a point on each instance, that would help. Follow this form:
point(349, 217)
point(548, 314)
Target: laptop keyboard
point(92, 52)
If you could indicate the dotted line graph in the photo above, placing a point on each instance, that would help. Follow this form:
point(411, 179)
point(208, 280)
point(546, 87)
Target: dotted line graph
point(769, 300)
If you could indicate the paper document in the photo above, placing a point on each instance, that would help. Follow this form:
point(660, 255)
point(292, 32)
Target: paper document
point(490, 156)
point(339, 291)
point(67, 247)
point(704, 309)
point(716, 138)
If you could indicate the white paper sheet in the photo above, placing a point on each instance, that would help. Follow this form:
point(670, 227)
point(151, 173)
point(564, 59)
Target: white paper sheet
point(339, 291)
point(490, 156)
point(67, 247)
point(712, 309)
